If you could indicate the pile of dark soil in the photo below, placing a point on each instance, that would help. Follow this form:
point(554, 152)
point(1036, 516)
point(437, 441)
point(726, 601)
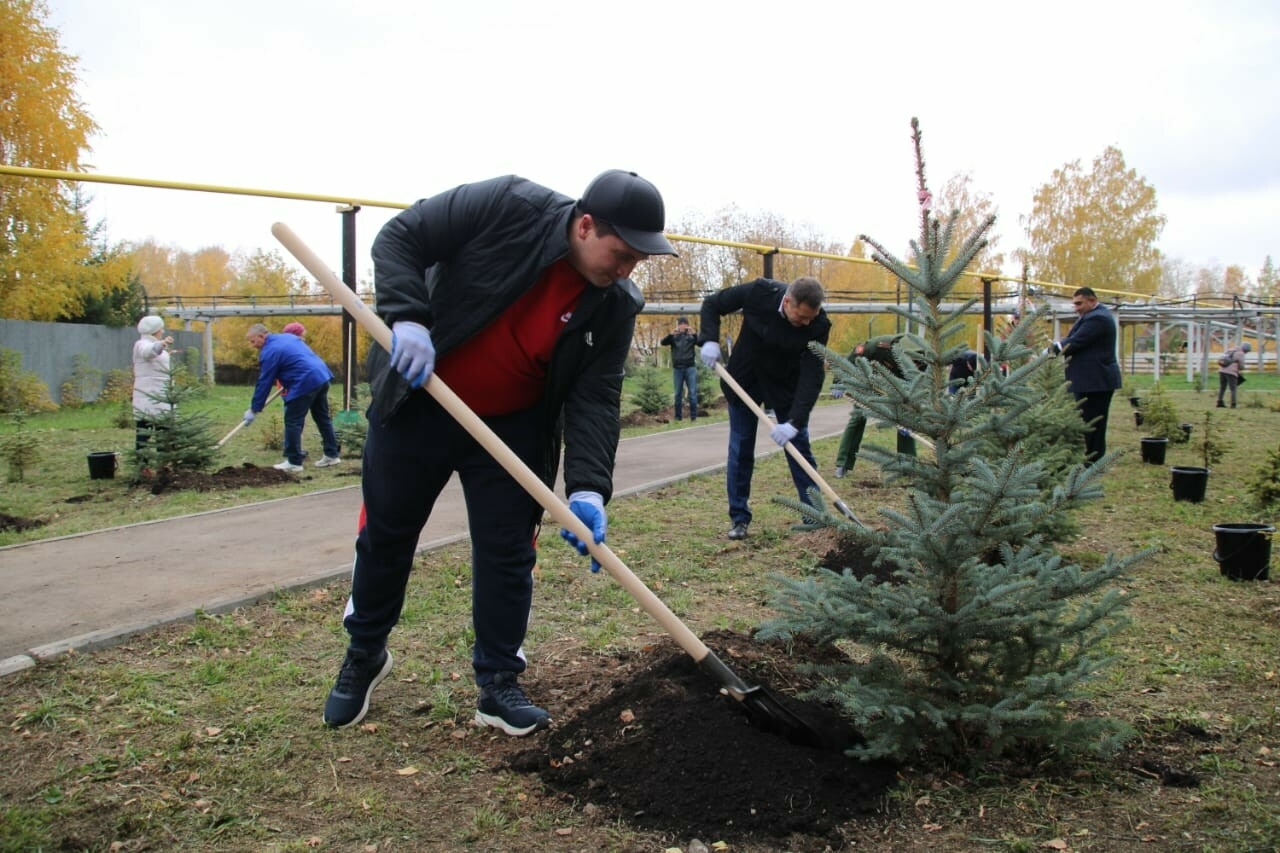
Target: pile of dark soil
point(652, 742)
point(231, 477)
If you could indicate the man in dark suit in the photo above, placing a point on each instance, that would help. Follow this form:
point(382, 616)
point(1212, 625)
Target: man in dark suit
point(1092, 369)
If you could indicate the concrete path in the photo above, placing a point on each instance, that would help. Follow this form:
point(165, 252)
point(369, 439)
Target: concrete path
point(93, 589)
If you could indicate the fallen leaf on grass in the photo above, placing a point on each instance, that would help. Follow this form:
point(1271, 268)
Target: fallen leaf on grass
point(1055, 844)
point(407, 771)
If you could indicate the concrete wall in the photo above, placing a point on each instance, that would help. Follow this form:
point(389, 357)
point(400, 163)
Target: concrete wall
point(49, 349)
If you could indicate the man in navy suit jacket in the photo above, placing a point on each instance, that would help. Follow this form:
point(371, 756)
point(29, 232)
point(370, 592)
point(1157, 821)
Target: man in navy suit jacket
point(1092, 369)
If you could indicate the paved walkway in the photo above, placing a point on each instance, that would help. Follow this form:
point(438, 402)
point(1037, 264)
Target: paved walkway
point(93, 589)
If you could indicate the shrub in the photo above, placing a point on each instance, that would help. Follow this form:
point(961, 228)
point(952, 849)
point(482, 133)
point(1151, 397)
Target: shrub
point(21, 390)
point(82, 385)
point(652, 396)
point(20, 449)
point(1264, 485)
point(1160, 417)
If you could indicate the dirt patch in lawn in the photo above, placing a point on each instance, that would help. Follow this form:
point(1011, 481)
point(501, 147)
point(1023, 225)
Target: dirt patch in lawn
point(17, 523)
point(231, 477)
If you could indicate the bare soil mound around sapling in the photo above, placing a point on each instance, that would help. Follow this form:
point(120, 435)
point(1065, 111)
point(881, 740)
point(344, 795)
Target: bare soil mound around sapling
point(230, 477)
point(648, 739)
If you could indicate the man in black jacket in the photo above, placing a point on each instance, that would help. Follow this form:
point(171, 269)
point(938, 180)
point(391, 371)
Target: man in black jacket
point(684, 367)
point(519, 298)
point(774, 365)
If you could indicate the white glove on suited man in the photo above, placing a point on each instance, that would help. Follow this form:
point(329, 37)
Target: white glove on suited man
point(710, 354)
point(783, 433)
point(413, 355)
point(589, 508)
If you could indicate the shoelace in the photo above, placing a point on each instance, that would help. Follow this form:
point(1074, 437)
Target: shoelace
point(353, 669)
point(509, 695)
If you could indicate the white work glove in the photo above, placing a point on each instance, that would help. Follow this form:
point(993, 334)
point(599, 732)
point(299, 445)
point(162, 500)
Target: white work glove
point(710, 354)
point(1053, 349)
point(249, 416)
point(413, 355)
point(783, 433)
point(837, 393)
point(589, 508)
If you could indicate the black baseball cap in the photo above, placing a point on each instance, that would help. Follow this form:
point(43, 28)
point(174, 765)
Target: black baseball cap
point(632, 206)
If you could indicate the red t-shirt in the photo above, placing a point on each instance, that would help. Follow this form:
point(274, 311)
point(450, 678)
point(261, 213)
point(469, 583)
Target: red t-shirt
point(503, 368)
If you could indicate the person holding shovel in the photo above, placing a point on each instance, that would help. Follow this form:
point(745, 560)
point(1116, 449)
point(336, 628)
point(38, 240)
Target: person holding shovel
point(305, 378)
point(774, 365)
point(519, 298)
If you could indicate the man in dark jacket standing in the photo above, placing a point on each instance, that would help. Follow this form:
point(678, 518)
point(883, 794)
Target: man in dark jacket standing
point(1092, 369)
point(519, 298)
point(684, 366)
point(774, 365)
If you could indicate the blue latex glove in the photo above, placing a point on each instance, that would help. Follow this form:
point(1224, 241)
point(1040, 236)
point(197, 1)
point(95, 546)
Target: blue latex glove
point(710, 354)
point(249, 416)
point(589, 508)
point(413, 355)
point(783, 433)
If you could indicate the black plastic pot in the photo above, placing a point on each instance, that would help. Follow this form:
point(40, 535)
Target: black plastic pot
point(1135, 401)
point(1186, 431)
point(1153, 450)
point(1137, 418)
point(1189, 483)
point(102, 466)
point(1244, 550)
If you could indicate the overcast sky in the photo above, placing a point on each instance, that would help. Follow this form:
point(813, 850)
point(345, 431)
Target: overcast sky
point(800, 109)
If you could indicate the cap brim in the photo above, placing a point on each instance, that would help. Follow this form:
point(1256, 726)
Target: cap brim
point(645, 242)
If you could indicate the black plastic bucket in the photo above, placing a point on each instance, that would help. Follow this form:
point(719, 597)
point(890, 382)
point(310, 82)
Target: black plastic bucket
point(1244, 550)
point(1153, 450)
point(102, 466)
point(1189, 483)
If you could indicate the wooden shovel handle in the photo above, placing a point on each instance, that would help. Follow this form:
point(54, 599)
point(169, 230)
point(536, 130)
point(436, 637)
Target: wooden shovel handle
point(235, 429)
point(514, 465)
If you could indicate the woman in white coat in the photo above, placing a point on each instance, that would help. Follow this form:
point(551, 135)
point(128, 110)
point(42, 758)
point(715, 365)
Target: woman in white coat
point(150, 375)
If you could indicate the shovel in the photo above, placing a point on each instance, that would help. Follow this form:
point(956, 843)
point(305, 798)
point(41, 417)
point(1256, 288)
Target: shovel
point(764, 710)
point(241, 425)
point(829, 492)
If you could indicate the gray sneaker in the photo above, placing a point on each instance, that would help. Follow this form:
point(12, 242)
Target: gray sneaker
point(288, 467)
point(738, 531)
point(326, 461)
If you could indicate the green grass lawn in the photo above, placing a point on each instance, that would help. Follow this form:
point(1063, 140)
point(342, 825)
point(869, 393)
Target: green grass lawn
point(206, 735)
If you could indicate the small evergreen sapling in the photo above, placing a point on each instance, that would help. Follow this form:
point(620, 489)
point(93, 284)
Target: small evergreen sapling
point(1211, 446)
point(650, 397)
point(1160, 417)
point(180, 438)
point(20, 449)
point(973, 647)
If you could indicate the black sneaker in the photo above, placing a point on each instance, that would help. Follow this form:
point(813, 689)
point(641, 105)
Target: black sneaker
point(806, 526)
point(348, 701)
point(738, 531)
point(503, 705)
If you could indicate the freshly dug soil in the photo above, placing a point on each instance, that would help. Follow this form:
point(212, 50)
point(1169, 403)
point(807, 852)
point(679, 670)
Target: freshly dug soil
point(652, 742)
point(231, 477)
point(17, 523)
